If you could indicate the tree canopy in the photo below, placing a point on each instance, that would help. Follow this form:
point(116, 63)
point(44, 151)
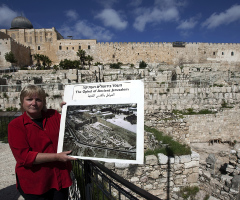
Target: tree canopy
point(9, 56)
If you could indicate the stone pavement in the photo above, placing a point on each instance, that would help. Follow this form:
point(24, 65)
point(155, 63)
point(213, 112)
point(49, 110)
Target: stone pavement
point(8, 190)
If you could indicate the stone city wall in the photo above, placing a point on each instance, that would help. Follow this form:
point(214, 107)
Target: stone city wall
point(49, 42)
point(20, 52)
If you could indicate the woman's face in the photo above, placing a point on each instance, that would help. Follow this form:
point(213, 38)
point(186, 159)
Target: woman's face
point(33, 106)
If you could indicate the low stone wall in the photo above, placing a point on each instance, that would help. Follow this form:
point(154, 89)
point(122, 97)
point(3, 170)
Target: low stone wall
point(223, 184)
point(160, 175)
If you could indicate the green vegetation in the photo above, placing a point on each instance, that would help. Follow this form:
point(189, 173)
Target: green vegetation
point(9, 57)
point(217, 85)
point(142, 65)
point(82, 56)
point(89, 59)
point(4, 128)
point(44, 59)
point(11, 109)
point(69, 64)
point(7, 76)
point(190, 111)
point(55, 67)
point(56, 96)
point(116, 65)
point(170, 147)
point(189, 192)
point(225, 105)
point(98, 63)
point(5, 95)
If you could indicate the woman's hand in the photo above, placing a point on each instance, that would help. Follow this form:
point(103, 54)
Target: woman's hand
point(62, 103)
point(52, 157)
point(63, 156)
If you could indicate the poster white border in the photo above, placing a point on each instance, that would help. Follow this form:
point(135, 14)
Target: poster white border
point(133, 92)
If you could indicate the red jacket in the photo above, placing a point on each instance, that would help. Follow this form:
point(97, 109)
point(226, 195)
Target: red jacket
point(26, 140)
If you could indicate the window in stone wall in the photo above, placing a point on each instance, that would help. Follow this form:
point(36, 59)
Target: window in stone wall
point(79, 47)
point(40, 38)
point(204, 52)
point(214, 53)
point(36, 38)
point(222, 53)
point(39, 48)
point(72, 48)
point(89, 47)
point(67, 48)
point(232, 53)
point(60, 47)
point(113, 56)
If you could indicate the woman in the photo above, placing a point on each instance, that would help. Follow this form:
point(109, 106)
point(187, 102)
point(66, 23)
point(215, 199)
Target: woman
point(41, 172)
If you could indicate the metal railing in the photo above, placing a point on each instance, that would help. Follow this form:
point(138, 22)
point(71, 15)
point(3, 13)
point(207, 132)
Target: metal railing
point(98, 182)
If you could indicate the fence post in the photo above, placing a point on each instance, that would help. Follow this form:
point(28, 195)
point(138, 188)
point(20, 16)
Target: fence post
point(87, 176)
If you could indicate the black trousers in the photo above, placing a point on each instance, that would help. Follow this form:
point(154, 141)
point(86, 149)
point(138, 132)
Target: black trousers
point(52, 194)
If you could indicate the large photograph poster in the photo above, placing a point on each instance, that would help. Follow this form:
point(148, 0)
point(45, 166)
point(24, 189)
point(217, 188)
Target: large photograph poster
point(104, 121)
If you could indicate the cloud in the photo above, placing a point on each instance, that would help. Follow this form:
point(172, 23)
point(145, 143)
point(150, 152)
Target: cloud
point(188, 24)
point(155, 15)
point(112, 18)
point(107, 3)
point(72, 14)
point(6, 16)
point(83, 29)
point(135, 3)
point(224, 18)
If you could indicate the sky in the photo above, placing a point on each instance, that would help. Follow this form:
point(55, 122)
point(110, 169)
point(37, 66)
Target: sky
point(210, 21)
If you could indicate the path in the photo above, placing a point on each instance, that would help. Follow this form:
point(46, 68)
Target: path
point(8, 189)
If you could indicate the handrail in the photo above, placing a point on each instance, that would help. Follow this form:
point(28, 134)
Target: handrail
point(126, 183)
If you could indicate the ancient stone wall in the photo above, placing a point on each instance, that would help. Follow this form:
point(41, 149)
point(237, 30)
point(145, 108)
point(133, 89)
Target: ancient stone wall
point(49, 42)
point(197, 87)
point(21, 53)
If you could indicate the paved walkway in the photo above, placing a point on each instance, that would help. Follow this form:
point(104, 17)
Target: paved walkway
point(8, 190)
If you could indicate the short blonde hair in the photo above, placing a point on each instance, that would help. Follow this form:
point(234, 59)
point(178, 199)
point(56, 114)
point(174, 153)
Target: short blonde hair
point(31, 90)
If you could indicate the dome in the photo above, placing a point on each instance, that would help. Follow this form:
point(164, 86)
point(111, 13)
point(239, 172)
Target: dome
point(21, 23)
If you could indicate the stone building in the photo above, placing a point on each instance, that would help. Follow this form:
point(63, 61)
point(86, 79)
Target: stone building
point(48, 41)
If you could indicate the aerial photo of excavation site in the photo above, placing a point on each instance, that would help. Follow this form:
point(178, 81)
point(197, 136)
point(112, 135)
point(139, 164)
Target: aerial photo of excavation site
point(101, 131)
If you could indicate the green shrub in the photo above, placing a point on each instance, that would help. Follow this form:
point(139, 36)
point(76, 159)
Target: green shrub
point(116, 65)
point(190, 111)
point(56, 96)
point(187, 192)
point(172, 148)
point(11, 109)
point(98, 63)
point(5, 95)
point(142, 65)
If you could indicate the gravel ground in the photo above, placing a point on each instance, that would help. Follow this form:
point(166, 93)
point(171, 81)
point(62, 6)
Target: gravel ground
point(8, 190)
